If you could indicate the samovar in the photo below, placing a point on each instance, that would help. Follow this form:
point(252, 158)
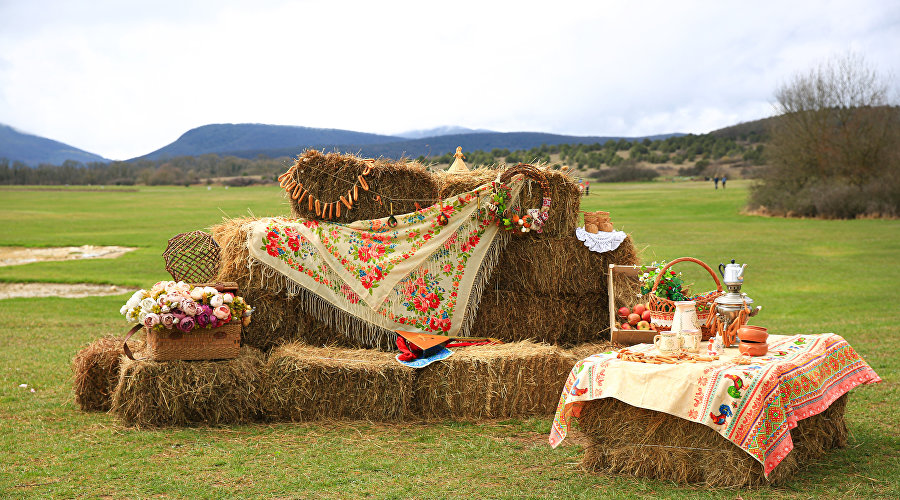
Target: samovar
point(730, 305)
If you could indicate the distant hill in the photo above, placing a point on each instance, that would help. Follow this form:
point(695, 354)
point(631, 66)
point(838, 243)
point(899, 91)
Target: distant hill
point(34, 150)
point(759, 128)
point(436, 146)
point(246, 137)
point(434, 132)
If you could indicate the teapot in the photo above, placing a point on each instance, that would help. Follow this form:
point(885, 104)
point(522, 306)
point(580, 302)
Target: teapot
point(732, 273)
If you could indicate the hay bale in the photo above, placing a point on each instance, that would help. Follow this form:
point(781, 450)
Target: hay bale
point(310, 383)
point(179, 393)
point(96, 372)
point(562, 266)
point(566, 321)
point(624, 439)
point(330, 176)
point(497, 381)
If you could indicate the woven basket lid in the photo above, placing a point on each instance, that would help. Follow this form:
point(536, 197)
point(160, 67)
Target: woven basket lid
point(192, 257)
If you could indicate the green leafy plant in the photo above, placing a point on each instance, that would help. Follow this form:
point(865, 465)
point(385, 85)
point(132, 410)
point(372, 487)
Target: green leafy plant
point(671, 285)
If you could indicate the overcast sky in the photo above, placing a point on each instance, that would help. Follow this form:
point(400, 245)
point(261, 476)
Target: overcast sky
point(123, 78)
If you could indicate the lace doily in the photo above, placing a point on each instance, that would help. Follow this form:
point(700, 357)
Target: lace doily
point(600, 241)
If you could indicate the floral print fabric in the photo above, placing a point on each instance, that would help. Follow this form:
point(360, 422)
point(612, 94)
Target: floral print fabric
point(419, 275)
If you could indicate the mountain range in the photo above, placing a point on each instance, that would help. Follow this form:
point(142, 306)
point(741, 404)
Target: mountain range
point(34, 150)
point(249, 140)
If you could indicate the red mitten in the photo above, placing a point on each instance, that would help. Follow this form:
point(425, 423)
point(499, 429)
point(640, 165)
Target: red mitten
point(408, 352)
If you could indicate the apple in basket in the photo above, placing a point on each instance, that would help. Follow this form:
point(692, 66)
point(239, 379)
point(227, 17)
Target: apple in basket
point(634, 318)
point(624, 311)
point(643, 325)
point(626, 326)
point(639, 309)
point(646, 315)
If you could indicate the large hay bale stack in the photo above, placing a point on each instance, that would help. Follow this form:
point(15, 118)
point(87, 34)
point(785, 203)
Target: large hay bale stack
point(310, 383)
point(96, 372)
point(537, 273)
point(514, 306)
point(499, 381)
point(624, 439)
point(180, 393)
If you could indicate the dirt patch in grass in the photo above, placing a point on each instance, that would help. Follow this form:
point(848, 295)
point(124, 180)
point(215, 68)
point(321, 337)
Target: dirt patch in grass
point(66, 290)
point(14, 256)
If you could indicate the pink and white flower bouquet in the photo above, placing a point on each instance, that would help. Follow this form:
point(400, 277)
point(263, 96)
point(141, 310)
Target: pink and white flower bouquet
point(178, 305)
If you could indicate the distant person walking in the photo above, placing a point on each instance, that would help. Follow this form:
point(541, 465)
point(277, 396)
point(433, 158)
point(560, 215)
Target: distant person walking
point(716, 180)
point(723, 181)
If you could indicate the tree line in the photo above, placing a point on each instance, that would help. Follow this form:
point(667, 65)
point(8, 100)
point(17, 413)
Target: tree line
point(182, 170)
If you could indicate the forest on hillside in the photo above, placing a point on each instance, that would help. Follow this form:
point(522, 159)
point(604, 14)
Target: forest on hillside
point(620, 160)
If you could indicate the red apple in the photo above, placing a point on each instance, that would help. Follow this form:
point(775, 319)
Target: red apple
point(646, 316)
point(643, 325)
point(634, 318)
point(626, 326)
point(639, 309)
point(624, 311)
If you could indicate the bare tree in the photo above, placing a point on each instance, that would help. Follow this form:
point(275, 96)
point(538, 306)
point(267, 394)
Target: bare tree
point(836, 125)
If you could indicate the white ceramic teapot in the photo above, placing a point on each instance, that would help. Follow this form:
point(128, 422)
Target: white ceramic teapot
point(732, 273)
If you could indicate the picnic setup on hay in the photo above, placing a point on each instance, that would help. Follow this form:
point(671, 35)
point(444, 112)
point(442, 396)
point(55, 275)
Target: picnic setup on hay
point(392, 293)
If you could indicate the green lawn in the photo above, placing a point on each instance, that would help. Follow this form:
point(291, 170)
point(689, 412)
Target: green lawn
point(810, 276)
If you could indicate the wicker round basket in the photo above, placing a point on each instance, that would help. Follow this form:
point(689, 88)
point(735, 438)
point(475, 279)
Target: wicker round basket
point(662, 310)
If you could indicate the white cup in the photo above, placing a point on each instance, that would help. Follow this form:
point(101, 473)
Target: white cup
point(691, 340)
point(667, 342)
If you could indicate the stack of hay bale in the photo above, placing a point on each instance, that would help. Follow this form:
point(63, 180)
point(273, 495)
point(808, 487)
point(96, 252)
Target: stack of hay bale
point(547, 287)
point(548, 291)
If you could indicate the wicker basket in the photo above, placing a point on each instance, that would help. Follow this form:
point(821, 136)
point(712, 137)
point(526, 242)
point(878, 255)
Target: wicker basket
point(223, 342)
point(662, 310)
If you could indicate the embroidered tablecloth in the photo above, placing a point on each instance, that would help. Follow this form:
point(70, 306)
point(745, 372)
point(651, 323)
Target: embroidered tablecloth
point(370, 278)
point(754, 406)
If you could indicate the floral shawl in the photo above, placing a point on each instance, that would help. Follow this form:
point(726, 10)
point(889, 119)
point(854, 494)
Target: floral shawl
point(368, 279)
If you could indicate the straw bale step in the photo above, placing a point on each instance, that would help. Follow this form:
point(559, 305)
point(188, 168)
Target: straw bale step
point(181, 393)
point(96, 372)
point(500, 381)
point(311, 383)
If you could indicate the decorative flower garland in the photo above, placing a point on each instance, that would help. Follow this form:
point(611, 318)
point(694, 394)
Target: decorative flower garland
point(507, 217)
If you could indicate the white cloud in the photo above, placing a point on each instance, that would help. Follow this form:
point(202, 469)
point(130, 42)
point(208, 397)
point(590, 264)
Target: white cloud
point(122, 78)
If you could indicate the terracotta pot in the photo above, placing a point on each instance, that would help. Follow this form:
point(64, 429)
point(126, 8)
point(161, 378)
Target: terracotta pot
point(752, 333)
point(753, 348)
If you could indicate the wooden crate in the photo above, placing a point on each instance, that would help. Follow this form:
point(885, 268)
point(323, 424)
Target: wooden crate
point(625, 337)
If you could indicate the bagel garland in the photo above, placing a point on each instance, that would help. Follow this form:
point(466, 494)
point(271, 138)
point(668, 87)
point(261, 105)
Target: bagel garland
point(329, 210)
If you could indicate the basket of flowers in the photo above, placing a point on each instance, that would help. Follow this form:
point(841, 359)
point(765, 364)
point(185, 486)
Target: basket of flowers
point(665, 287)
point(188, 322)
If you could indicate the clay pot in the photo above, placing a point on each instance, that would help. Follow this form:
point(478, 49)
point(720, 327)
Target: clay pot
point(753, 333)
point(753, 348)
point(591, 228)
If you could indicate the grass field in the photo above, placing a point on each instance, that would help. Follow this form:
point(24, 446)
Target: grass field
point(810, 276)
